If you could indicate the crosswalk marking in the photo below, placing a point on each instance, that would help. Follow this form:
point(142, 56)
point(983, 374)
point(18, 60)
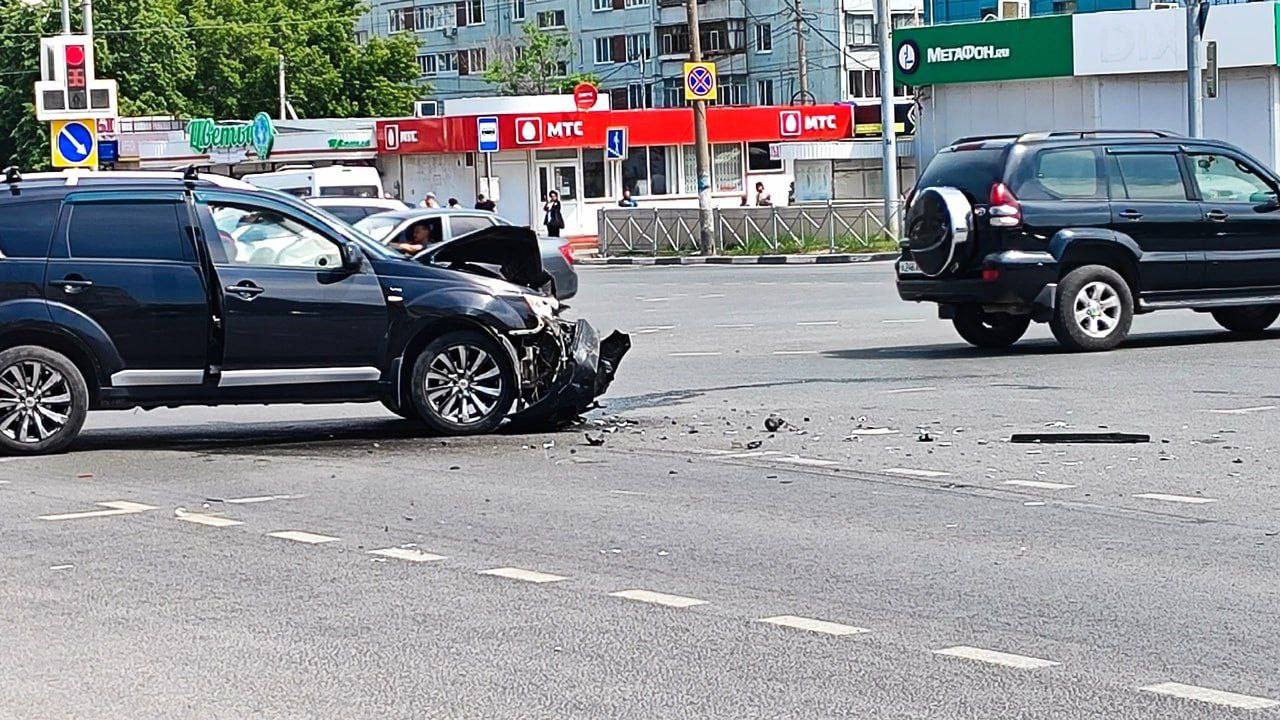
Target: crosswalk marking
point(1188, 499)
point(1244, 411)
point(1039, 484)
point(532, 576)
point(657, 598)
point(812, 625)
point(209, 520)
point(407, 554)
point(1209, 695)
point(303, 537)
point(114, 507)
point(1022, 662)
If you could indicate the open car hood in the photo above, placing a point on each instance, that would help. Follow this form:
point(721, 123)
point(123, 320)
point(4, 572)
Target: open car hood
point(504, 251)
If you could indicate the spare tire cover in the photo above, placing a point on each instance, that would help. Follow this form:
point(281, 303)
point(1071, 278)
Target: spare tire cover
point(940, 219)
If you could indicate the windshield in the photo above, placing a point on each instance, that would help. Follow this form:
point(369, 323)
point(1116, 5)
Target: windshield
point(378, 227)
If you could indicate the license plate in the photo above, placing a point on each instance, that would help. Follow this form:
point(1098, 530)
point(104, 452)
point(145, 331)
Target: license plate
point(908, 267)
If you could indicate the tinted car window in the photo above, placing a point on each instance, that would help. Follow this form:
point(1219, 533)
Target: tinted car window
point(25, 228)
point(972, 171)
point(1066, 174)
point(1222, 178)
point(462, 224)
point(359, 191)
point(126, 231)
point(1147, 177)
point(347, 213)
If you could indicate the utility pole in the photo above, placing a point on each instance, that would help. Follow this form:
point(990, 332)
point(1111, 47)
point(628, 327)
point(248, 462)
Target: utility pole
point(87, 8)
point(284, 101)
point(801, 54)
point(703, 147)
point(66, 17)
point(1195, 86)
point(884, 24)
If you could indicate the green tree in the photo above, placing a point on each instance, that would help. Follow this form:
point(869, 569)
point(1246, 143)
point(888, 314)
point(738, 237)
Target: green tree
point(530, 65)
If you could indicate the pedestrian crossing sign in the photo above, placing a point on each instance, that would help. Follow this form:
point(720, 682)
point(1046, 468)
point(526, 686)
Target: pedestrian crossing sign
point(73, 143)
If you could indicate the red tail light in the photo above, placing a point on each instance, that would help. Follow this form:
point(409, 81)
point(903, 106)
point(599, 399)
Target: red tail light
point(990, 274)
point(566, 252)
point(1004, 209)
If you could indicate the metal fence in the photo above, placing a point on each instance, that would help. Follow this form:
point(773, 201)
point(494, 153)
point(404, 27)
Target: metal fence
point(794, 228)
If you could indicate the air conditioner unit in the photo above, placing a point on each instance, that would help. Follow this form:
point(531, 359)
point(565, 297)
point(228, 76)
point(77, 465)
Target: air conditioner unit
point(1013, 9)
point(1164, 5)
point(450, 32)
point(426, 108)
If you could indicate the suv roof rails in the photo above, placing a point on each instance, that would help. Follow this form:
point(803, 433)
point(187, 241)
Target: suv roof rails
point(980, 138)
point(1083, 134)
point(12, 174)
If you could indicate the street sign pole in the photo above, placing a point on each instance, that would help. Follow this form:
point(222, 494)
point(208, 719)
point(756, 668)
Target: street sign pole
point(701, 145)
point(888, 122)
point(1195, 90)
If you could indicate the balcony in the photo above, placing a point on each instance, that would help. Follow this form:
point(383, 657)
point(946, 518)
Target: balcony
point(719, 39)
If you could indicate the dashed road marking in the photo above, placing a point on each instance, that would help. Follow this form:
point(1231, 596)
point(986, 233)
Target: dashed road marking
point(817, 323)
point(532, 576)
point(699, 353)
point(209, 520)
point(303, 537)
point(1022, 662)
point(1245, 411)
point(657, 598)
point(750, 454)
point(795, 352)
point(735, 326)
point(1209, 695)
point(812, 625)
point(261, 499)
point(873, 431)
point(649, 329)
point(114, 507)
point(655, 299)
point(1039, 484)
point(710, 296)
point(902, 321)
point(407, 554)
point(913, 472)
point(905, 391)
point(1188, 499)
point(812, 462)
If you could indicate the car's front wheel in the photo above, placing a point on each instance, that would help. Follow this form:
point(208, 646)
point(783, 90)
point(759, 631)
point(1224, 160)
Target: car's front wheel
point(1093, 310)
point(43, 401)
point(1250, 320)
point(463, 384)
point(987, 329)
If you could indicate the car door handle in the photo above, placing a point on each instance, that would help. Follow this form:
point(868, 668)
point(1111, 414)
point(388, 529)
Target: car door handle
point(1216, 216)
point(1131, 215)
point(72, 284)
point(245, 289)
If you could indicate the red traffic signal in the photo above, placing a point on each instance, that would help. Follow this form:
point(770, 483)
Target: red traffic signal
point(75, 67)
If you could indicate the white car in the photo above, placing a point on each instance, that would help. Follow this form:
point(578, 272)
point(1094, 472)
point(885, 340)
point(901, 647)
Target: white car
point(353, 210)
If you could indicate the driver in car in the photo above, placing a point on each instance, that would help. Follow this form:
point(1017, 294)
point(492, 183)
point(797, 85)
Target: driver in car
point(419, 237)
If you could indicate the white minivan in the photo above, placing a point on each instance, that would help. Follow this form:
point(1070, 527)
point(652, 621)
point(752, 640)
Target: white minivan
point(330, 181)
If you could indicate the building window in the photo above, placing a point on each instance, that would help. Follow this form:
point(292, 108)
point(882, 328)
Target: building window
point(860, 29)
point(562, 68)
point(551, 19)
point(726, 158)
point(764, 37)
point(673, 92)
point(594, 174)
point(650, 170)
point(636, 3)
point(427, 65)
point(732, 91)
point(401, 20)
point(471, 12)
point(1064, 7)
point(604, 50)
point(764, 92)
point(362, 37)
point(866, 84)
point(599, 5)
point(639, 95)
point(517, 10)
point(713, 42)
point(759, 158)
point(638, 47)
point(474, 62)
point(446, 62)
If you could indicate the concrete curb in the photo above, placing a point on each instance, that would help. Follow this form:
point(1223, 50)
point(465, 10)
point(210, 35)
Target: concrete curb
point(834, 259)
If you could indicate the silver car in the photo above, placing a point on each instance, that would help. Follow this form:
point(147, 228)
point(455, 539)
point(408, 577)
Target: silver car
point(439, 225)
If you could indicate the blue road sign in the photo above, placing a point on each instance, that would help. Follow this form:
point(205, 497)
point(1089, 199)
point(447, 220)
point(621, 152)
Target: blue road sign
point(75, 142)
point(615, 144)
point(487, 134)
point(108, 151)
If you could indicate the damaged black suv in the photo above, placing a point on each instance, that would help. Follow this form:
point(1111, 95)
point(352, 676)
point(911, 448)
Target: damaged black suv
point(1085, 229)
point(122, 290)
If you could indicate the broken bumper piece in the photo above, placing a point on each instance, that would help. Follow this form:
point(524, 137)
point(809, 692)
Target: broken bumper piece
point(591, 366)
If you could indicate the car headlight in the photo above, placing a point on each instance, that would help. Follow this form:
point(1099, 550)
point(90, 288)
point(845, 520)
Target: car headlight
point(542, 306)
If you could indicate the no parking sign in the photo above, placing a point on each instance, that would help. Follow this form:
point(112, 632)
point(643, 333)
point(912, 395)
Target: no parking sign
point(700, 81)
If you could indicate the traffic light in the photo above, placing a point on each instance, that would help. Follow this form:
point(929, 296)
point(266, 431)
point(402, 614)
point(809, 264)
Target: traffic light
point(77, 79)
point(67, 88)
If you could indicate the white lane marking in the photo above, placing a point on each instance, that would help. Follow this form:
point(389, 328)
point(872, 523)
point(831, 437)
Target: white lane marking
point(656, 299)
point(1209, 695)
point(407, 554)
point(751, 454)
point(735, 326)
point(1176, 498)
point(903, 321)
point(647, 329)
point(873, 431)
point(261, 499)
point(208, 520)
point(813, 462)
point(817, 323)
point(812, 625)
point(904, 391)
point(795, 352)
point(694, 354)
point(710, 451)
point(657, 598)
point(912, 472)
point(709, 296)
point(61, 567)
point(303, 537)
point(4, 482)
point(1244, 411)
point(1039, 484)
point(1022, 662)
point(114, 507)
point(513, 573)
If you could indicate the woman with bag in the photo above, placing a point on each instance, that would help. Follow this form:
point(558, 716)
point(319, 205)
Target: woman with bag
point(551, 216)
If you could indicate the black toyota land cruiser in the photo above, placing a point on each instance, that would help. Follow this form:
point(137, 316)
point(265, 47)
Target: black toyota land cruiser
point(1084, 229)
point(122, 290)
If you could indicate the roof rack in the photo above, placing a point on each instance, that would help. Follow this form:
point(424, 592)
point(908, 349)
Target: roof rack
point(980, 138)
point(1083, 134)
point(12, 174)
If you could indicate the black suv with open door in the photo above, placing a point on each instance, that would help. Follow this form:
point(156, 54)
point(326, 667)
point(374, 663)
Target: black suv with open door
point(1084, 229)
point(122, 290)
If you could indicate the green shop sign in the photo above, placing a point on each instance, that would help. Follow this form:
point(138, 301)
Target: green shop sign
point(204, 134)
point(344, 144)
point(984, 51)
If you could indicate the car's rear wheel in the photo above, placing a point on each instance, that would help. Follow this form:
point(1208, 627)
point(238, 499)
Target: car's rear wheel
point(1093, 309)
point(1250, 320)
point(987, 329)
point(463, 384)
point(43, 401)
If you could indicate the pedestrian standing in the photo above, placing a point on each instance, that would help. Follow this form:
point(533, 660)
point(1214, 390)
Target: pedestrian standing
point(763, 198)
point(484, 203)
point(454, 204)
point(627, 201)
point(551, 215)
point(430, 201)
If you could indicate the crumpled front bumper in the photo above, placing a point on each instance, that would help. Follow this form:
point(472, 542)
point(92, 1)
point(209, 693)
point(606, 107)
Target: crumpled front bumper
point(593, 362)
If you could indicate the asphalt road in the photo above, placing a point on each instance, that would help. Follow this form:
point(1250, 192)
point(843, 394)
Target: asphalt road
point(962, 577)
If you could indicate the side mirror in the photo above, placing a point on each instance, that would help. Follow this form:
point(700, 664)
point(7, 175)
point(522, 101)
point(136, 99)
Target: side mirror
point(352, 257)
point(1265, 202)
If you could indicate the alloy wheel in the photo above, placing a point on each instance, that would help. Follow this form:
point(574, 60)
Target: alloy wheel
point(35, 401)
point(1097, 309)
point(463, 384)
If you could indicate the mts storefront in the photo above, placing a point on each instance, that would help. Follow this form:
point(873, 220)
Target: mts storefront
point(566, 152)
